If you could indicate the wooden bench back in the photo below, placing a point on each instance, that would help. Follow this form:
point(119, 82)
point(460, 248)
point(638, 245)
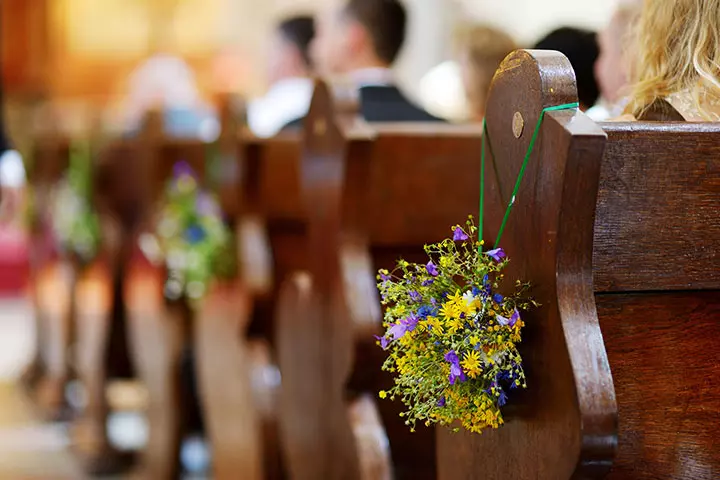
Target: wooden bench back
point(657, 223)
point(619, 238)
point(656, 266)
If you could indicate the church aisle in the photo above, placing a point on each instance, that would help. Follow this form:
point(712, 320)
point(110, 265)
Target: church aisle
point(30, 449)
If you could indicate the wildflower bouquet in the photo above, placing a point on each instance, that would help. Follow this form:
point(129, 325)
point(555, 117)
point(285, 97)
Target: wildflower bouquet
point(451, 336)
point(74, 221)
point(190, 237)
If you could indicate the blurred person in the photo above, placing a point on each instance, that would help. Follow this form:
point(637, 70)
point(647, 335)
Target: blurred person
point(12, 176)
point(581, 48)
point(289, 70)
point(481, 49)
point(611, 67)
point(165, 82)
point(676, 66)
point(360, 40)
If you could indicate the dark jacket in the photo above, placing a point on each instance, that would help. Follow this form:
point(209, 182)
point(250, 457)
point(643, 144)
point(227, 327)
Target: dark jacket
point(382, 104)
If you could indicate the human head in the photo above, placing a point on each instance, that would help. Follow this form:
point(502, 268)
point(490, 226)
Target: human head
point(581, 48)
point(611, 67)
point(481, 49)
point(289, 54)
point(359, 34)
point(677, 49)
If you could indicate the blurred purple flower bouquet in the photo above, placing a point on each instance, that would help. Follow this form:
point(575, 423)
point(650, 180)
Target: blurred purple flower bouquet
point(190, 237)
point(451, 337)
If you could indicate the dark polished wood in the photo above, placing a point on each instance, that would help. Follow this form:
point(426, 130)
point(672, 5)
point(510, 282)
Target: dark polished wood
point(621, 357)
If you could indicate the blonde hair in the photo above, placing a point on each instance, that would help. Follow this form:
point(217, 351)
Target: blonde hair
point(484, 48)
point(677, 49)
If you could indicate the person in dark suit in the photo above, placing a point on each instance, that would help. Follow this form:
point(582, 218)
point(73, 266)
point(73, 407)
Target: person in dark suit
point(361, 40)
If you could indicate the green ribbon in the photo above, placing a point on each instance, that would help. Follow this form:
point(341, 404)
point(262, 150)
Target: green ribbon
point(526, 160)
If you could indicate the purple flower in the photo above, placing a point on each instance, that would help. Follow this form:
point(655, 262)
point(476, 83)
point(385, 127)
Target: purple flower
point(405, 325)
point(384, 277)
point(509, 321)
point(498, 254)
point(451, 357)
point(456, 372)
point(432, 269)
point(183, 169)
point(459, 235)
point(384, 342)
point(415, 296)
point(441, 401)
point(427, 283)
point(206, 205)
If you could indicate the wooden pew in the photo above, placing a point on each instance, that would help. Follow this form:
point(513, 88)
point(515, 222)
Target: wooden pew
point(52, 278)
point(620, 238)
point(372, 193)
point(231, 373)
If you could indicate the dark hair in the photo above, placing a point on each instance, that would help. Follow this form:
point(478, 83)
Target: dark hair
point(385, 21)
point(299, 31)
point(581, 48)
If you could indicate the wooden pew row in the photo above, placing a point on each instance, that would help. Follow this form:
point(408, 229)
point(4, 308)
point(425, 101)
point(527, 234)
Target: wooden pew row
point(232, 373)
point(373, 193)
point(52, 278)
point(622, 356)
point(570, 423)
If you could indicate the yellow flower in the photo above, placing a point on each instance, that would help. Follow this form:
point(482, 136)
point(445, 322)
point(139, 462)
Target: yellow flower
point(457, 299)
point(446, 261)
point(434, 323)
point(474, 339)
point(383, 394)
point(471, 364)
point(449, 311)
point(453, 325)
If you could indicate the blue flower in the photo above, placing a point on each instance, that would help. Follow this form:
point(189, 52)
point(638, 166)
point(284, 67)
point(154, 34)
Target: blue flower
point(459, 235)
point(432, 269)
point(497, 254)
point(195, 234)
point(502, 399)
point(476, 290)
point(426, 311)
point(441, 401)
point(498, 298)
point(415, 296)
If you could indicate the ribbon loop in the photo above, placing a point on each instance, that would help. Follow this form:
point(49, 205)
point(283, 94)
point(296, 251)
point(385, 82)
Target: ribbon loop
point(521, 174)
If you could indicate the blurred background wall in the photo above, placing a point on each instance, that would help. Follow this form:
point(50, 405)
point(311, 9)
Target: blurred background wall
point(88, 46)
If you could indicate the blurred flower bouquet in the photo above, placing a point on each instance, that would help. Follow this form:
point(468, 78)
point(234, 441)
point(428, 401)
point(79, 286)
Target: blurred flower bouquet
point(74, 221)
point(451, 336)
point(190, 237)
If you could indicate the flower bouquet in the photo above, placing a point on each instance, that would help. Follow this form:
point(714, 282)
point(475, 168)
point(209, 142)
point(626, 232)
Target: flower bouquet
point(74, 221)
point(451, 336)
point(190, 237)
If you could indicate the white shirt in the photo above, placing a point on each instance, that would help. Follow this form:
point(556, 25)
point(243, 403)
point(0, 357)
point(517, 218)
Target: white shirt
point(603, 111)
point(287, 100)
point(12, 170)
